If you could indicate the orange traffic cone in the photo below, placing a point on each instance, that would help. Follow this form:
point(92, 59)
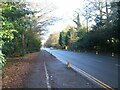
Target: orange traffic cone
point(68, 64)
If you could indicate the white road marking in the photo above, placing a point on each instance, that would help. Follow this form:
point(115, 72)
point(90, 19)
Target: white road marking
point(64, 62)
point(107, 87)
point(47, 77)
point(98, 61)
point(89, 76)
point(117, 65)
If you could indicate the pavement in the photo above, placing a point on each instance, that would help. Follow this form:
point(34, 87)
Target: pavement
point(49, 72)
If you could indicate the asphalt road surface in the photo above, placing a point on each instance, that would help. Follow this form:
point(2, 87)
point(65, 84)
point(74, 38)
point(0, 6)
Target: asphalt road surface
point(48, 72)
point(104, 68)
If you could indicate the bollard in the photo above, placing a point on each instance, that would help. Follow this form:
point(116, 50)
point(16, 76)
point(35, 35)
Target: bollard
point(112, 54)
point(96, 52)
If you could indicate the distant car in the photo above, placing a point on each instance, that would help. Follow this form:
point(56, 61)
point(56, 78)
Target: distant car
point(51, 48)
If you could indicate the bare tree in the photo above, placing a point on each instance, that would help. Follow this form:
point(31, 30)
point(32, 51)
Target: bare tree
point(97, 9)
point(77, 20)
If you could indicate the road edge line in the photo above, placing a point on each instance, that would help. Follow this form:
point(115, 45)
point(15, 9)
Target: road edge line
point(88, 76)
point(47, 77)
point(83, 73)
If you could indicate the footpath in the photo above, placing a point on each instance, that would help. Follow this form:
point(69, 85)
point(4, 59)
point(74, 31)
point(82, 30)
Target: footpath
point(48, 72)
point(41, 70)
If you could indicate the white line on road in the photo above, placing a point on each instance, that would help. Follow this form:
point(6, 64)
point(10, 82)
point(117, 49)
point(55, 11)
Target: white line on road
point(89, 76)
point(64, 62)
point(117, 65)
point(47, 77)
point(98, 61)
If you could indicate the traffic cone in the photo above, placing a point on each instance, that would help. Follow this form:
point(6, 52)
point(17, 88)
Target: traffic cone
point(68, 64)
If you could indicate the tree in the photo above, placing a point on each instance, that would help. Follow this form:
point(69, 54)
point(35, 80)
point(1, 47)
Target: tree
point(52, 41)
point(71, 37)
point(67, 39)
point(81, 33)
point(60, 39)
point(7, 29)
point(20, 32)
point(15, 13)
point(77, 21)
point(104, 36)
point(87, 13)
point(95, 10)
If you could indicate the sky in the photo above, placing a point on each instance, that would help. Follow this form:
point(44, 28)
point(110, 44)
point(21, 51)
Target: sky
point(63, 9)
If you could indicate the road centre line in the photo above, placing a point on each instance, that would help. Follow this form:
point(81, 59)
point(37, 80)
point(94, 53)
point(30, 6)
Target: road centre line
point(92, 78)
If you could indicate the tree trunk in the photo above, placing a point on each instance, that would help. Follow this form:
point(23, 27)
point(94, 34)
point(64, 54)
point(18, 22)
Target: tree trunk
point(107, 21)
point(23, 40)
point(87, 25)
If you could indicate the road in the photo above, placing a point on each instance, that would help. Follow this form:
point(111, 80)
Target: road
point(48, 72)
point(104, 68)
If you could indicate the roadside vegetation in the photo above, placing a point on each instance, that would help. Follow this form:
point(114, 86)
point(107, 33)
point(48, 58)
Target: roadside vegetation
point(21, 29)
point(16, 25)
point(101, 37)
